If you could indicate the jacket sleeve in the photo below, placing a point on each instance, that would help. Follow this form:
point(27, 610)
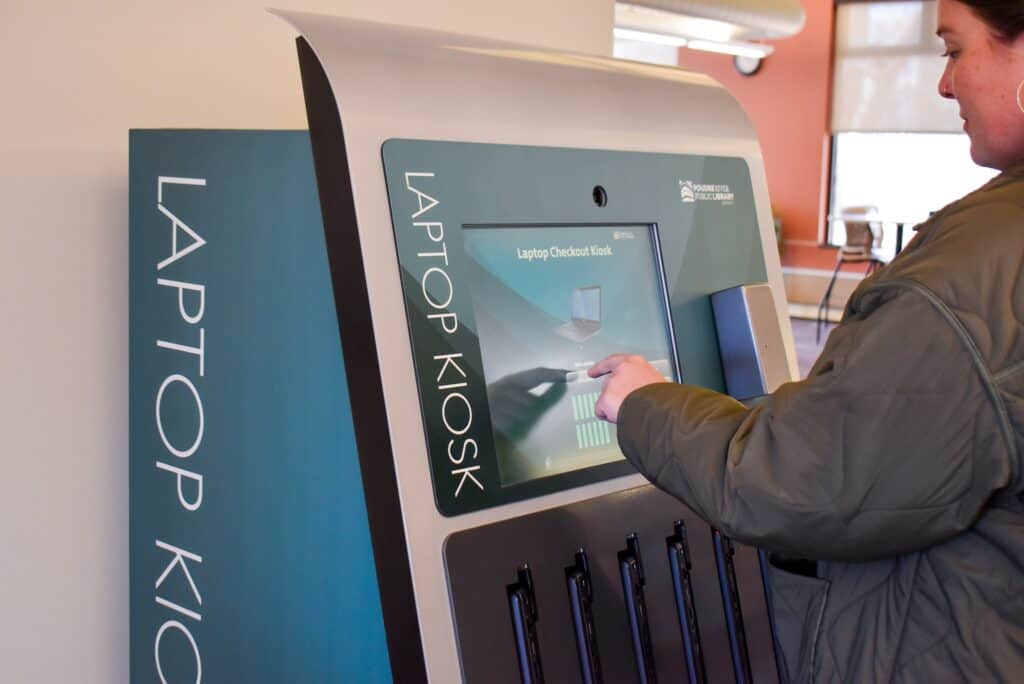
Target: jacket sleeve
point(891, 445)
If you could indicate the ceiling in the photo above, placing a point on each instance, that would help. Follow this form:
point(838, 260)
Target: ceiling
point(721, 21)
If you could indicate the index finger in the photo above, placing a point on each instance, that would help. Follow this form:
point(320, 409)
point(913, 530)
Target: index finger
point(607, 365)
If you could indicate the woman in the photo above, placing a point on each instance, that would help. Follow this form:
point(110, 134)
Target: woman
point(898, 464)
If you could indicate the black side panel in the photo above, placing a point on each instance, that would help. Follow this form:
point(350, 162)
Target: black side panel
point(363, 370)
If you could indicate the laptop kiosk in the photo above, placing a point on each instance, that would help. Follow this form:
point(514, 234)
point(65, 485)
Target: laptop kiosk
point(497, 219)
point(468, 187)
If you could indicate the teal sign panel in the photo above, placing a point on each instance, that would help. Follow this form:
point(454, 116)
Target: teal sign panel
point(250, 554)
point(522, 266)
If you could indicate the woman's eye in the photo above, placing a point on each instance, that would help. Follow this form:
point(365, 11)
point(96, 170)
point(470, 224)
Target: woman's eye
point(952, 54)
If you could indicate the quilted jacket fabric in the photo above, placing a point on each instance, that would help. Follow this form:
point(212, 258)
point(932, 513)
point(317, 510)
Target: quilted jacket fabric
point(896, 464)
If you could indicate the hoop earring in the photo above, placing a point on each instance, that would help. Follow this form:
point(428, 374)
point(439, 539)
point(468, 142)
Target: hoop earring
point(1020, 91)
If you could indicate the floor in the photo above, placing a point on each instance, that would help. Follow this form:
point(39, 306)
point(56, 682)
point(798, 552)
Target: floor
point(807, 349)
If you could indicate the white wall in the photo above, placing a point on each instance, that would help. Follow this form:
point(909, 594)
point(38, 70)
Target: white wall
point(74, 77)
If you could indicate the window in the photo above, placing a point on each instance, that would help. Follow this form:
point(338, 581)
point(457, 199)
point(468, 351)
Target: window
point(905, 175)
point(897, 145)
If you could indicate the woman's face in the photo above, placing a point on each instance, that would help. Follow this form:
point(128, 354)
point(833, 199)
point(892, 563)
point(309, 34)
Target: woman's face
point(984, 74)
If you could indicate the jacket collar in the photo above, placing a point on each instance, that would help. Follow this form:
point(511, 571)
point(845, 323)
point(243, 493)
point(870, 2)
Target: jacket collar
point(1014, 173)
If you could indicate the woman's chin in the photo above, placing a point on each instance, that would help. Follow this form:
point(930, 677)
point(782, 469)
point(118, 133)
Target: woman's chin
point(984, 157)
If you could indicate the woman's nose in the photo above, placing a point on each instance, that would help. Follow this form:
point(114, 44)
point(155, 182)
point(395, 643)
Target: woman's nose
point(946, 84)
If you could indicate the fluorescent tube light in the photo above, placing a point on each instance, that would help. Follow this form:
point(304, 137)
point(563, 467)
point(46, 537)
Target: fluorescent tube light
point(648, 37)
point(755, 50)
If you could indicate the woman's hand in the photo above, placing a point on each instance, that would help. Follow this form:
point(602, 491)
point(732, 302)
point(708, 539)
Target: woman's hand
point(626, 372)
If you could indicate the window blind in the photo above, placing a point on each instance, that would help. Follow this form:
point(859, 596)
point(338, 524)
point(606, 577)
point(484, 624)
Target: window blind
point(887, 68)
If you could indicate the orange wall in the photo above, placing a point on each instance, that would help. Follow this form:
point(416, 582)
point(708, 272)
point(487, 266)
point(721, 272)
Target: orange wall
point(788, 104)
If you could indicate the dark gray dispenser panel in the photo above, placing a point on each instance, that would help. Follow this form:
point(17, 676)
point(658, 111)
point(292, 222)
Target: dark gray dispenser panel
point(483, 561)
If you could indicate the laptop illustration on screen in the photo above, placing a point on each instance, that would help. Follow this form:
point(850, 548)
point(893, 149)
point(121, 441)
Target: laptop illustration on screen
point(586, 315)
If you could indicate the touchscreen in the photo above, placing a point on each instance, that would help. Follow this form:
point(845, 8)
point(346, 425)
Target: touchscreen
point(549, 302)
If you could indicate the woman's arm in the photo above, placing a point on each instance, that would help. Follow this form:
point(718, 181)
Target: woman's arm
point(892, 444)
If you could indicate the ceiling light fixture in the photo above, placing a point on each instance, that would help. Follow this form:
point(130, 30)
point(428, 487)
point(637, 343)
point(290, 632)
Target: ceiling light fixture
point(648, 37)
point(755, 50)
point(732, 27)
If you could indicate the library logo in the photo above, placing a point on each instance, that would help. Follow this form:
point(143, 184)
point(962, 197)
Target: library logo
point(705, 192)
point(686, 192)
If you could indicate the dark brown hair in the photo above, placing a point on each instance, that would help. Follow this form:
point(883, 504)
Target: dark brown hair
point(1005, 18)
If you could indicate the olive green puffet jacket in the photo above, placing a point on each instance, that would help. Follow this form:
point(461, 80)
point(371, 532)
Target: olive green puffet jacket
point(897, 464)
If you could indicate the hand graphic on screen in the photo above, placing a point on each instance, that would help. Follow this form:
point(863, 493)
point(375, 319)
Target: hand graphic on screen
point(518, 400)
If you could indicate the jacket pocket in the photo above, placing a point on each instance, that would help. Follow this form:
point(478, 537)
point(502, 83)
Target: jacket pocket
point(798, 606)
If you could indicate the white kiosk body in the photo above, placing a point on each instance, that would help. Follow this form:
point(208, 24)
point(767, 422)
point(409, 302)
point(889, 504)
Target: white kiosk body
point(499, 217)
